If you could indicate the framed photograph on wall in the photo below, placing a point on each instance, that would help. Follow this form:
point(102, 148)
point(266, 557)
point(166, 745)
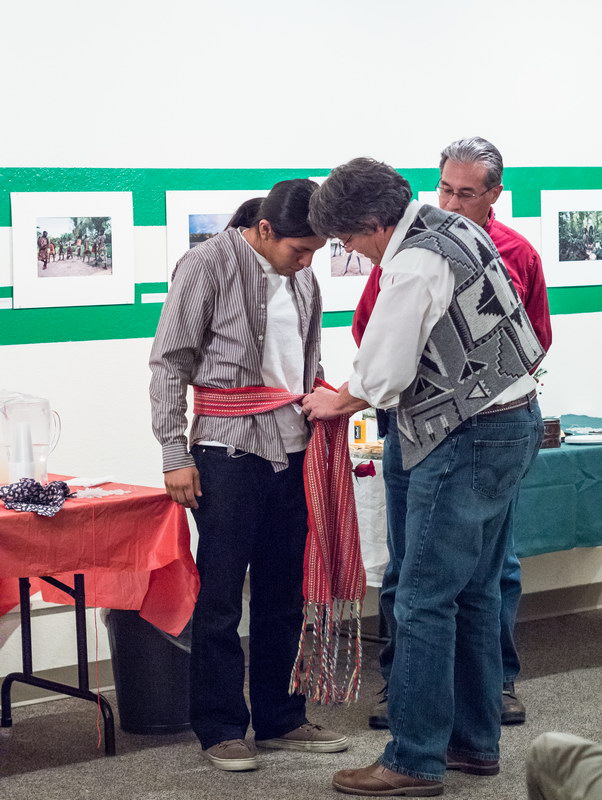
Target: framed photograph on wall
point(72, 249)
point(195, 216)
point(571, 226)
point(341, 275)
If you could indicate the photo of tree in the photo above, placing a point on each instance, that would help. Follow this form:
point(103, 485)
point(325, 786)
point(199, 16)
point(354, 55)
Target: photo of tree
point(204, 226)
point(74, 246)
point(580, 236)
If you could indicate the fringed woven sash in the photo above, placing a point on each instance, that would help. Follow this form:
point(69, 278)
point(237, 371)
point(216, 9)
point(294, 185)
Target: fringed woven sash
point(334, 581)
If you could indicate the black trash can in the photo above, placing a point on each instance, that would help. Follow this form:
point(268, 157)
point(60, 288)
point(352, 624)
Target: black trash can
point(151, 676)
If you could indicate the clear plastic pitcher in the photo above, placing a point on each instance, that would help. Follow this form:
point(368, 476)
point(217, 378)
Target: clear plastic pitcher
point(29, 432)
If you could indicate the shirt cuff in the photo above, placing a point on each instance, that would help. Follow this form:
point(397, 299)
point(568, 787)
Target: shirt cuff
point(356, 389)
point(176, 456)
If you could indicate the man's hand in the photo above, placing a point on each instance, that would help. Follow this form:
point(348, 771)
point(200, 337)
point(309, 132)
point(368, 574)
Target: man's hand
point(183, 486)
point(322, 403)
point(325, 404)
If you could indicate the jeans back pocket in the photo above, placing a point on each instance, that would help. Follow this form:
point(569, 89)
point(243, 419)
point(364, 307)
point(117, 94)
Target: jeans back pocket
point(499, 464)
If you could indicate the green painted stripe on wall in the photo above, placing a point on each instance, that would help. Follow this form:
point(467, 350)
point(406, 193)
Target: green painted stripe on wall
point(139, 320)
point(150, 288)
point(24, 326)
point(575, 299)
point(526, 183)
point(149, 185)
point(79, 324)
point(337, 319)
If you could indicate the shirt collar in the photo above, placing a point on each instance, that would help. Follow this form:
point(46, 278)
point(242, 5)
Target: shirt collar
point(490, 218)
point(400, 231)
point(263, 262)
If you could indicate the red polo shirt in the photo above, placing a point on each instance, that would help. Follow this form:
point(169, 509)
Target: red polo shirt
point(523, 263)
point(524, 267)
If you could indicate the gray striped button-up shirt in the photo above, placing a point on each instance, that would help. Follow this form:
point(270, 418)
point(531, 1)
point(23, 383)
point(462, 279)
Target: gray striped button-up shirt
point(211, 333)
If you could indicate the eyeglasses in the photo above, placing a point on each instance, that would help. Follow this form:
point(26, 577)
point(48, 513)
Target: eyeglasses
point(347, 240)
point(463, 194)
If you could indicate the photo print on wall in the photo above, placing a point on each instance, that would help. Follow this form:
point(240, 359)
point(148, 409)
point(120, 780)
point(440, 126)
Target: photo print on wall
point(571, 223)
point(341, 275)
point(195, 216)
point(344, 264)
point(203, 226)
point(72, 249)
point(580, 236)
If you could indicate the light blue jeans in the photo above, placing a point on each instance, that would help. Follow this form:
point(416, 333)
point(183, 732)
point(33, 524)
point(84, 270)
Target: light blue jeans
point(448, 541)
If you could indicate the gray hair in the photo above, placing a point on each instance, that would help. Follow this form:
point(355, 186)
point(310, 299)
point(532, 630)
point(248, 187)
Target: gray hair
point(479, 151)
point(358, 197)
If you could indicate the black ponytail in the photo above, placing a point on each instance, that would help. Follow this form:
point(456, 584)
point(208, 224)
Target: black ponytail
point(286, 208)
point(247, 214)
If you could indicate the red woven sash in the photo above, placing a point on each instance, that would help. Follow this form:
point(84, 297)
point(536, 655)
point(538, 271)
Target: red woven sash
point(334, 580)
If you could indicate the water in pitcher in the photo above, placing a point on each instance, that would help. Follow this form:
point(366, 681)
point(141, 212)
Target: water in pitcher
point(40, 462)
point(29, 432)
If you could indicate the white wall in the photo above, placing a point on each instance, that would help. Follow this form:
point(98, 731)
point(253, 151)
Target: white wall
point(273, 84)
point(312, 83)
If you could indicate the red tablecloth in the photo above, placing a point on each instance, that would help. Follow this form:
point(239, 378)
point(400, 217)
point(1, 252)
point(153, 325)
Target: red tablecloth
point(134, 550)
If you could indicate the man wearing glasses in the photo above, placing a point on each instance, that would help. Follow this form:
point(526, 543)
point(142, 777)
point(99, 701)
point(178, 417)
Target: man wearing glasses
point(449, 343)
point(470, 183)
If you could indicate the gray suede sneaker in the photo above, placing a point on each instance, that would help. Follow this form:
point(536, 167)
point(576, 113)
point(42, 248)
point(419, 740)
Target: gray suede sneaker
point(310, 738)
point(233, 755)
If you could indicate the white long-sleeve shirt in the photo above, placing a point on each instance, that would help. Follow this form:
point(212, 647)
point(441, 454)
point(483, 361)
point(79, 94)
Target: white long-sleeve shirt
point(417, 287)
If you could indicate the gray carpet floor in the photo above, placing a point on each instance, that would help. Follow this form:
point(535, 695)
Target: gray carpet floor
point(50, 752)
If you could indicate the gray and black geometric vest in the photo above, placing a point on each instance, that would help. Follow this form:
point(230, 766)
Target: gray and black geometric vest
point(482, 344)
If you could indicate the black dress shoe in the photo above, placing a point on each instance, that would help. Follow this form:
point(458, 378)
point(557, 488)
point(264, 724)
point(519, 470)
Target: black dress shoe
point(513, 710)
point(379, 717)
point(471, 765)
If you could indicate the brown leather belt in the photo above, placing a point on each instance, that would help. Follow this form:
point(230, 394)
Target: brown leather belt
point(520, 402)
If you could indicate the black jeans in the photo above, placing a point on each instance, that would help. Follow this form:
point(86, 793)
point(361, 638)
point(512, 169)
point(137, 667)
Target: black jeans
point(248, 515)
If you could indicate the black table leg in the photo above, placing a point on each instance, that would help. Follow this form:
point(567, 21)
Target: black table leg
point(82, 691)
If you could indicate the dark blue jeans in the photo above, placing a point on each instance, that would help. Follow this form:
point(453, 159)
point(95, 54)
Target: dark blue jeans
point(445, 678)
point(248, 516)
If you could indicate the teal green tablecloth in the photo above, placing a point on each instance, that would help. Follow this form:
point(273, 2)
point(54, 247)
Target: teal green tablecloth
point(560, 499)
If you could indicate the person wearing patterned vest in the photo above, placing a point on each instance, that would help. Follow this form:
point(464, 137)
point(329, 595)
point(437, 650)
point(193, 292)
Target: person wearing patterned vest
point(450, 345)
point(470, 183)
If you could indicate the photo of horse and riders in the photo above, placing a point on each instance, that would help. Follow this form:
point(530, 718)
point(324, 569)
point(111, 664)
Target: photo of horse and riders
point(74, 246)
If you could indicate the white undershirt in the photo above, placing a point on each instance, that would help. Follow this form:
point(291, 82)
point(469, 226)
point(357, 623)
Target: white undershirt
point(417, 287)
point(283, 359)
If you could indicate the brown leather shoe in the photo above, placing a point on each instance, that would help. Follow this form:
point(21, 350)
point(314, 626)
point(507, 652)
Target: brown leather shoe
point(513, 710)
point(378, 781)
point(471, 765)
